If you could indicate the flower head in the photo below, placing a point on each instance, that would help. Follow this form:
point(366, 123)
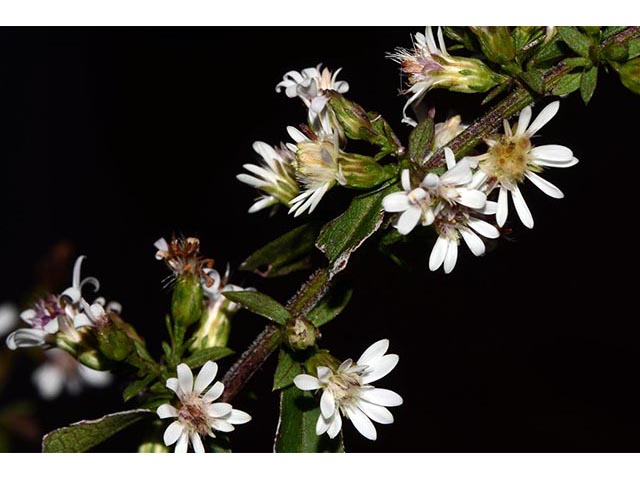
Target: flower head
point(346, 391)
point(429, 65)
point(512, 158)
point(276, 177)
point(182, 256)
point(197, 415)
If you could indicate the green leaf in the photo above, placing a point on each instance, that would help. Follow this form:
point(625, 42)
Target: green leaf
point(461, 35)
point(535, 79)
point(577, 62)
point(588, 84)
point(288, 367)
point(611, 31)
point(343, 235)
point(578, 42)
point(568, 84)
point(285, 254)
point(138, 386)
point(548, 54)
point(630, 75)
point(296, 432)
point(421, 141)
point(634, 48)
point(330, 306)
point(200, 357)
point(495, 92)
point(261, 304)
point(82, 436)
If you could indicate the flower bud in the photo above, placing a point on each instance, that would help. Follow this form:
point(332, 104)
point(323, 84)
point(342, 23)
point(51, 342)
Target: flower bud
point(352, 117)
point(152, 447)
point(301, 334)
point(186, 303)
point(113, 342)
point(215, 324)
point(630, 75)
point(359, 171)
point(496, 43)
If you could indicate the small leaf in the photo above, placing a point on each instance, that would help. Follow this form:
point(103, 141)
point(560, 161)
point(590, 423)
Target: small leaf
point(578, 42)
point(588, 84)
point(535, 79)
point(261, 304)
point(495, 92)
point(330, 306)
point(288, 367)
point(630, 75)
point(634, 48)
point(568, 84)
point(577, 62)
point(548, 54)
point(421, 140)
point(611, 31)
point(200, 357)
point(82, 436)
point(343, 235)
point(138, 386)
point(296, 432)
point(285, 254)
point(461, 35)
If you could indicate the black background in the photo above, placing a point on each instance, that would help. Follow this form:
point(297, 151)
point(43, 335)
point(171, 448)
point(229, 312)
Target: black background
point(111, 138)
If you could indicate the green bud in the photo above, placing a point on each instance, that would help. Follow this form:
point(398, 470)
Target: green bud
point(321, 359)
point(360, 171)
point(466, 75)
point(630, 75)
point(496, 43)
point(113, 342)
point(152, 447)
point(352, 117)
point(301, 334)
point(215, 324)
point(186, 303)
point(94, 359)
point(616, 52)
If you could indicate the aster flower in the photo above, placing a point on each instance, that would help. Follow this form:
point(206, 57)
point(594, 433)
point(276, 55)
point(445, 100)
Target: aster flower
point(429, 65)
point(317, 168)
point(512, 158)
point(197, 415)
point(182, 256)
point(276, 177)
point(43, 320)
point(346, 391)
point(310, 86)
point(60, 372)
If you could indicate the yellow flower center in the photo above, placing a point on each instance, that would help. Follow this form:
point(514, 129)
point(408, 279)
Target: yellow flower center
point(508, 159)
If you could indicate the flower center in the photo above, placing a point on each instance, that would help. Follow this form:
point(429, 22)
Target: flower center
point(345, 387)
point(508, 159)
point(316, 162)
point(47, 309)
point(448, 222)
point(193, 415)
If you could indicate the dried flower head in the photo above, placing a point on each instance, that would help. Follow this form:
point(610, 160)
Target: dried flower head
point(182, 256)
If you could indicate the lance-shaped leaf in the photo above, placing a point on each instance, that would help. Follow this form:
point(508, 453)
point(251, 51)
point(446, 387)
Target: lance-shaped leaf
point(138, 386)
point(568, 84)
point(330, 306)
point(421, 141)
point(288, 367)
point(296, 432)
point(343, 235)
point(577, 41)
point(588, 83)
point(82, 436)
point(261, 304)
point(285, 254)
point(200, 357)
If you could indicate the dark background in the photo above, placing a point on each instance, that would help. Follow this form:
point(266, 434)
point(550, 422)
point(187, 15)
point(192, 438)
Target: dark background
point(111, 138)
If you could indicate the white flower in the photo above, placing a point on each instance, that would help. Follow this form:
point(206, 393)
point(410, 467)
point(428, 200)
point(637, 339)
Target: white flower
point(317, 168)
point(8, 318)
point(276, 177)
point(434, 193)
point(197, 415)
point(310, 86)
point(74, 292)
point(454, 222)
point(347, 392)
point(61, 371)
point(43, 320)
point(512, 158)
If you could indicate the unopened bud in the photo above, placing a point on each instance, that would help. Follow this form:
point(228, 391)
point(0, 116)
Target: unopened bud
point(215, 324)
point(186, 303)
point(360, 171)
point(152, 447)
point(301, 334)
point(352, 117)
point(113, 342)
point(496, 43)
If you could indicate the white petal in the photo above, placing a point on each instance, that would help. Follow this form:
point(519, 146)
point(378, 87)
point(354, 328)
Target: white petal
point(490, 208)
point(451, 257)
point(161, 244)
point(543, 117)
point(297, 135)
point(172, 433)
point(362, 423)
point(238, 417)
point(405, 179)
point(222, 425)
point(523, 120)
point(323, 374)
point(381, 396)
point(556, 164)
point(335, 426)
point(379, 368)
point(438, 253)
point(377, 413)
point(213, 393)
point(552, 153)
point(374, 352)
point(167, 411)
point(172, 384)
point(483, 228)
point(544, 185)
point(306, 382)
point(207, 373)
point(26, 337)
point(327, 404)
point(396, 202)
point(183, 443)
point(28, 315)
point(322, 425)
point(503, 206)
point(218, 410)
point(185, 378)
point(460, 174)
point(522, 208)
point(408, 220)
point(81, 320)
point(450, 158)
point(472, 198)
point(473, 241)
point(196, 441)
